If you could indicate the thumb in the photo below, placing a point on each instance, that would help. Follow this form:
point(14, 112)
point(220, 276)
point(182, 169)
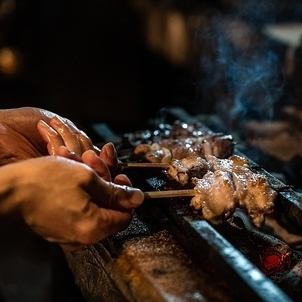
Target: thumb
point(113, 196)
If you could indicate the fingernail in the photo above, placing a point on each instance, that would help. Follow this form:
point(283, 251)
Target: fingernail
point(42, 124)
point(45, 127)
point(44, 131)
point(56, 121)
point(137, 197)
point(89, 153)
point(123, 179)
point(110, 151)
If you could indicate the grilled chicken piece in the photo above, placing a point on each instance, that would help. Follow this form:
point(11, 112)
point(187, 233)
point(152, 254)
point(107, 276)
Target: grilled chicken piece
point(153, 153)
point(226, 183)
point(215, 195)
point(218, 145)
point(251, 191)
point(212, 144)
point(222, 146)
point(226, 164)
point(238, 160)
point(182, 170)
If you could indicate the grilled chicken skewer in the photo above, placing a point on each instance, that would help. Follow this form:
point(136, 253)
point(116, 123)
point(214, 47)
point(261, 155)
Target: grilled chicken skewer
point(224, 185)
point(166, 150)
point(180, 170)
point(222, 182)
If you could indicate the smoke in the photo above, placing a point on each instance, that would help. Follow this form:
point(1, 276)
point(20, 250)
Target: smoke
point(241, 71)
point(252, 80)
point(258, 12)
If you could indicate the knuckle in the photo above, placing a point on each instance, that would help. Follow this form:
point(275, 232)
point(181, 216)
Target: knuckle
point(70, 124)
point(72, 136)
point(106, 219)
point(86, 176)
point(85, 232)
point(84, 136)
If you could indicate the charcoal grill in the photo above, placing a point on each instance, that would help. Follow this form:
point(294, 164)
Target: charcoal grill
point(170, 254)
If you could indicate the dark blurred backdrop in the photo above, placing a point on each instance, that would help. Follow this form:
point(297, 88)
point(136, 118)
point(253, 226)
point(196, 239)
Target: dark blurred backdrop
point(120, 61)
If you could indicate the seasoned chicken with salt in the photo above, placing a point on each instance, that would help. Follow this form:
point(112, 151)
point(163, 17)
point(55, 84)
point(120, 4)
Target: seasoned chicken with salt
point(167, 150)
point(215, 195)
point(223, 181)
point(182, 170)
point(249, 190)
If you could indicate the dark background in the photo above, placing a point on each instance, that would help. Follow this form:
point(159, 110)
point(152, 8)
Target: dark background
point(89, 60)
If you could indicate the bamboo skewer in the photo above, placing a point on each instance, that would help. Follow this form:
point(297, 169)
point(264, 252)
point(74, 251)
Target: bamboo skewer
point(144, 165)
point(158, 194)
point(170, 194)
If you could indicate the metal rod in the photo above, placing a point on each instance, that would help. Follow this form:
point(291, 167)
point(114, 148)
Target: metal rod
point(169, 194)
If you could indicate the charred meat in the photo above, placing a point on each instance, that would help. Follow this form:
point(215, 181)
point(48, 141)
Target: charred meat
point(154, 153)
point(232, 184)
point(215, 196)
point(166, 150)
point(182, 170)
point(202, 158)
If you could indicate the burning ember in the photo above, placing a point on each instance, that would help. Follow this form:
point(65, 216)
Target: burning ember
point(275, 259)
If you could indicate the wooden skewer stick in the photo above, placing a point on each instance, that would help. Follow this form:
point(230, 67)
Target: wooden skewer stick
point(169, 194)
point(144, 165)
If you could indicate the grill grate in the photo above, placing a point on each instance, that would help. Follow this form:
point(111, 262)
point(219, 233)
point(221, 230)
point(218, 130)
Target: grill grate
point(229, 262)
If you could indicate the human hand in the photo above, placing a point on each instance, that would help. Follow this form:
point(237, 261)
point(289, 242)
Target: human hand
point(66, 202)
point(19, 136)
point(64, 139)
point(32, 132)
point(61, 135)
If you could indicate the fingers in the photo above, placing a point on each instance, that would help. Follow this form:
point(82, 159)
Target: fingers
point(50, 136)
point(64, 152)
point(110, 222)
point(113, 196)
point(85, 141)
point(68, 135)
point(124, 197)
point(109, 155)
point(92, 228)
point(122, 180)
point(97, 164)
point(65, 139)
point(104, 223)
point(62, 132)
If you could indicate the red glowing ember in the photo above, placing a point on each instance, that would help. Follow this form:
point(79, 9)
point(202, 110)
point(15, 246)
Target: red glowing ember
point(275, 259)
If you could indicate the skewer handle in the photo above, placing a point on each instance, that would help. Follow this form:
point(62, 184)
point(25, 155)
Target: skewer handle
point(144, 165)
point(169, 194)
